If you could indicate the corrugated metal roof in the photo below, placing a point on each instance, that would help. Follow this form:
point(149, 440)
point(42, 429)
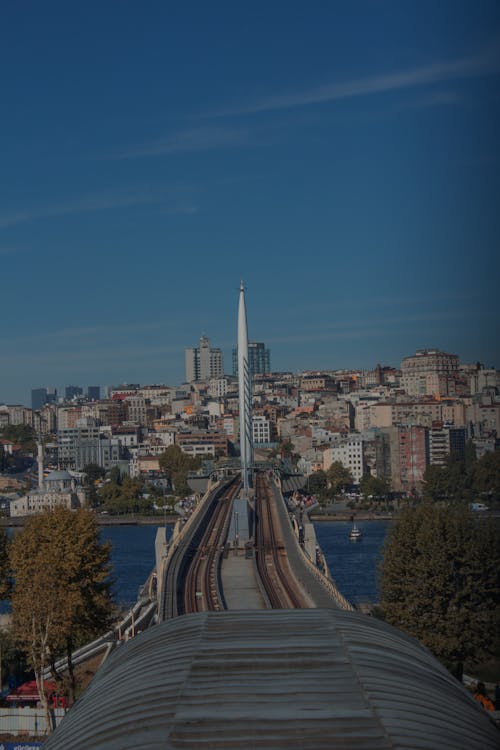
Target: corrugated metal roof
point(274, 679)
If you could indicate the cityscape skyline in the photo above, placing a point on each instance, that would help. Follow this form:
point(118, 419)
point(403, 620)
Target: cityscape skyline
point(59, 389)
point(63, 393)
point(343, 161)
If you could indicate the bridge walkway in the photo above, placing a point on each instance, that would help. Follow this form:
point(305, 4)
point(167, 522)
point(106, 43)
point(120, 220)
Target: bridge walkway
point(239, 582)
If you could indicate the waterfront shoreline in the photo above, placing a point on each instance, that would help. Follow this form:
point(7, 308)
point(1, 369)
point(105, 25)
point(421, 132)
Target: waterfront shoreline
point(171, 519)
point(350, 515)
point(105, 521)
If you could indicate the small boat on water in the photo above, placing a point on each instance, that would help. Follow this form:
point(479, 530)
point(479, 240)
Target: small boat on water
point(355, 534)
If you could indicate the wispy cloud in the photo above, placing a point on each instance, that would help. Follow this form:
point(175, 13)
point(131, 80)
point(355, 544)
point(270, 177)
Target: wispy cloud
point(487, 61)
point(192, 139)
point(79, 334)
point(433, 99)
point(363, 327)
point(96, 358)
point(90, 204)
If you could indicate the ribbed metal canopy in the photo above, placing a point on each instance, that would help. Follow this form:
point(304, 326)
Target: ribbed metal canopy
point(274, 679)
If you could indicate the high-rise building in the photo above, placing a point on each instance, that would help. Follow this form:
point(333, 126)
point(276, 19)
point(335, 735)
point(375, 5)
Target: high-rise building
point(259, 359)
point(51, 396)
point(71, 391)
point(38, 398)
point(94, 392)
point(42, 396)
point(445, 441)
point(203, 362)
point(409, 456)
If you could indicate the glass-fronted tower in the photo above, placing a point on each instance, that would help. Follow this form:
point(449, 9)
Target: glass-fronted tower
point(259, 359)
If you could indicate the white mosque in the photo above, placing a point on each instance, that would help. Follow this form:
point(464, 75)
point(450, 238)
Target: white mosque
point(59, 488)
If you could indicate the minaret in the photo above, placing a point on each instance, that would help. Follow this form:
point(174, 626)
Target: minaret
point(40, 464)
point(245, 393)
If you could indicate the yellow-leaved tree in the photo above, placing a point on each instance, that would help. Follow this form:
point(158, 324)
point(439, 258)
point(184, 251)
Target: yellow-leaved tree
point(61, 593)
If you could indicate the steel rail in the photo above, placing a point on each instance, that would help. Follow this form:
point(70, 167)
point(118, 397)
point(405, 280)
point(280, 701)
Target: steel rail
point(179, 559)
point(201, 587)
point(281, 587)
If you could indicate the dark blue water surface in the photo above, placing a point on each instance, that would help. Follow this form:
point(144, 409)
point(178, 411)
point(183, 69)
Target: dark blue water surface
point(132, 558)
point(353, 565)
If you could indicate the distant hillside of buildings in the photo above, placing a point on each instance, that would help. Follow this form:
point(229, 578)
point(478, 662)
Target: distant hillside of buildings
point(387, 422)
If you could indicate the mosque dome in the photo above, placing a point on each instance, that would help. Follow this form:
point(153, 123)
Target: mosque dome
point(59, 478)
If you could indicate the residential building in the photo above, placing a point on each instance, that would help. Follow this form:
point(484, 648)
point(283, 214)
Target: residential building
point(319, 382)
point(430, 372)
point(445, 441)
point(103, 451)
point(218, 387)
point(16, 414)
point(262, 430)
point(483, 415)
point(349, 451)
point(136, 409)
point(87, 443)
point(482, 379)
point(203, 362)
point(68, 416)
point(109, 412)
point(203, 443)
point(409, 456)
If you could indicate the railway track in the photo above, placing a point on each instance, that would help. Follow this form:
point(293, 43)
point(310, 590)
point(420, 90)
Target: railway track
point(280, 585)
point(202, 583)
point(184, 567)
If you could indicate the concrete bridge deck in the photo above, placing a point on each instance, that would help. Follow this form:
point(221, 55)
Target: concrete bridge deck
point(240, 584)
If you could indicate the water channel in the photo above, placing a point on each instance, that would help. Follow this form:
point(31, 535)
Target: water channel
point(353, 565)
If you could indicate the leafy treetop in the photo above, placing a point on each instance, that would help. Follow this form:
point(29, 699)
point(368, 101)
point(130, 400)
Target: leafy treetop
point(439, 581)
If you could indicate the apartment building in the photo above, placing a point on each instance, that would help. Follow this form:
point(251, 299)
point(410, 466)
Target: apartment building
point(430, 372)
point(409, 456)
point(203, 362)
point(262, 430)
point(349, 451)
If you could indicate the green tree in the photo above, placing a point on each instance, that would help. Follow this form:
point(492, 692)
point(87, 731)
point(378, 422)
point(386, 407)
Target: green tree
point(439, 581)
point(115, 475)
point(375, 486)
point(338, 477)
point(21, 434)
point(176, 464)
point(125, 497)
point(4, 459)
point(93, 472)
point(487, 474)
point(317, 484)
point(455, 479)
point(61, 595)
point(436, 484)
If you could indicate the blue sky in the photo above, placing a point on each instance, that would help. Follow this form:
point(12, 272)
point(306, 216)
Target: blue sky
point(341, 158)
